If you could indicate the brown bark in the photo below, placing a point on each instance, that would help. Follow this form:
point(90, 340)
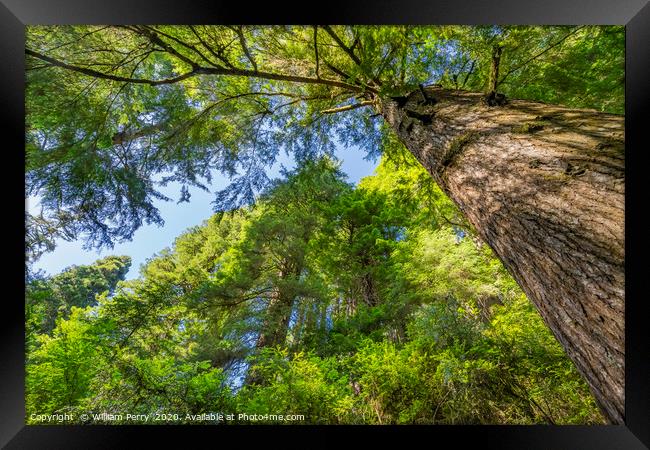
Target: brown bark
point(494, 68)
point(544, 186)
point(276, 321)
point(274, 328)
point(368, 290)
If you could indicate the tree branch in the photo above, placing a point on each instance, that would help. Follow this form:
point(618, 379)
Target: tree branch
point(342, 45)
point(316, 49)
point(347, 107)
point(242, 41)
point(148, 131)
point(575, 30)
point(152, 35)
point(215, 54)
point(97, 74)
point(186, 45)
point(202, 70)
point(471, 70)
point(337, 71)
point(384, 63)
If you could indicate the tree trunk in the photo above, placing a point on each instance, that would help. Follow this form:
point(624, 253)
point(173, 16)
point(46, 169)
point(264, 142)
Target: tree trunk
point(276, 322)
point(544, 186)
point(494, 69)
point(274, 329)
point(367, 287)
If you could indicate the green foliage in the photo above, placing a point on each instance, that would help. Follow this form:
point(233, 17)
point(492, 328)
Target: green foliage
point(157, 384)
point(49, 298)
point(63, 366)
point(373, 304)
point(299, 384)
point(116, 112)
point(578, 66)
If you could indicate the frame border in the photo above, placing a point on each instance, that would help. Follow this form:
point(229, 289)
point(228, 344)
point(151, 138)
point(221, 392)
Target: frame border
point(634, 14)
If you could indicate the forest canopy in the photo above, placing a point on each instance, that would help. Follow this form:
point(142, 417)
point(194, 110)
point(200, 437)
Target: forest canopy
point(372, 304)
point(115, 112)
point(398, 300)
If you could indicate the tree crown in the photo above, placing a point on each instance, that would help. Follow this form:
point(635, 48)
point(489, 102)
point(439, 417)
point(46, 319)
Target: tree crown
point(114, 112)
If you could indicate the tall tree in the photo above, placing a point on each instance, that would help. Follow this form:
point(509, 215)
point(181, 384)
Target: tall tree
point(110, 107)
point(269, 268)
point(51, 298)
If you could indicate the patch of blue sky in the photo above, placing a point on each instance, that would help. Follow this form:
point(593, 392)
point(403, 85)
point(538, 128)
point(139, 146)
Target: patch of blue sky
point(151, 239)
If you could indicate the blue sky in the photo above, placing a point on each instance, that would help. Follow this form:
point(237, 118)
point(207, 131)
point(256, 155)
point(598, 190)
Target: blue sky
point(150, 239)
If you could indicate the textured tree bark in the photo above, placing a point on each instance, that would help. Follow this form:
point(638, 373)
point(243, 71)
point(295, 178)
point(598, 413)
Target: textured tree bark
point(276, 322)
point(368, 290)
point(274, 328)
point(544, 186)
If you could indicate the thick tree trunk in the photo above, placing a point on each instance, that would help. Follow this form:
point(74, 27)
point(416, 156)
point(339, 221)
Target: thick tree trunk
point(544, 186)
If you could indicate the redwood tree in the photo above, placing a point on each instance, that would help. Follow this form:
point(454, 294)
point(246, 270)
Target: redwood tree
point(544, 186)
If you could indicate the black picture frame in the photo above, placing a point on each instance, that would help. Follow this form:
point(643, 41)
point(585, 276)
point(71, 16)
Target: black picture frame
point(634, 14)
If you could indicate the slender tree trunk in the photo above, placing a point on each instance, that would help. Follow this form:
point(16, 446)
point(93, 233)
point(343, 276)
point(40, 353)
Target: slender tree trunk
point(368, 291)
point(276, 322)
point(274, 328)
point(544, 186)
point(494, 69)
